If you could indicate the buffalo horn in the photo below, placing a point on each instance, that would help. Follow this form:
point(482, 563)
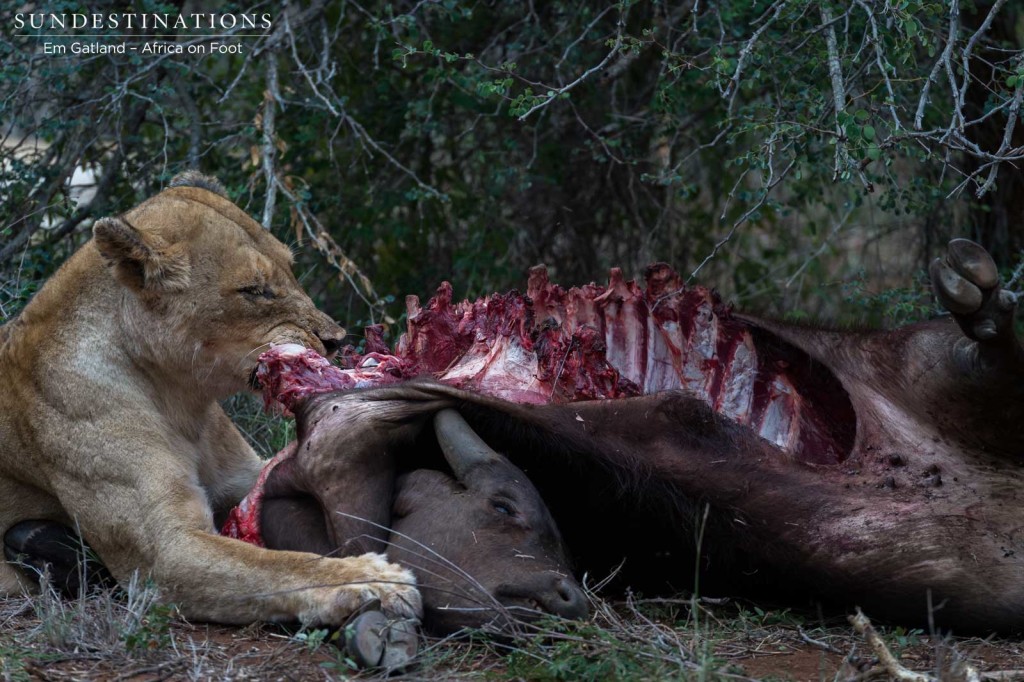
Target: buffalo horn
point(462, 448)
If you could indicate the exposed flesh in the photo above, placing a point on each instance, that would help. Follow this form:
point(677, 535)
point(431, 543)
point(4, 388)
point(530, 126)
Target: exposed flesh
point(584, 343)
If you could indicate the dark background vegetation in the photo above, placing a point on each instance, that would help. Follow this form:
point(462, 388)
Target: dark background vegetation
point(806, 158)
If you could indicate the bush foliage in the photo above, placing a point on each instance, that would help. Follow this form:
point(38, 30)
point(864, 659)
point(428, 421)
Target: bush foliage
point(776, 150)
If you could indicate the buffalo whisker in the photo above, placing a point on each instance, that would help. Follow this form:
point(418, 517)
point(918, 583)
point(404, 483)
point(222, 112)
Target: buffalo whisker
point(438, 558)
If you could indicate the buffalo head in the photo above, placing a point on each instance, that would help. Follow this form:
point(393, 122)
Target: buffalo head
point(483, 543)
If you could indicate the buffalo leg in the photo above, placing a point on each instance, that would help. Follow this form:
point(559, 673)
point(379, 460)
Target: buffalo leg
point(966, 282)
point(375, 641)
point(53, 548)
point(338, 483)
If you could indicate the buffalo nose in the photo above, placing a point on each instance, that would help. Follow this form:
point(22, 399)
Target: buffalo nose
point(566, 599)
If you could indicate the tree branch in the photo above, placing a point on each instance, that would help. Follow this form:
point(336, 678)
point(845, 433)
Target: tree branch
point(271, 97)
point(947, 51)
point(554, 94)
point(734, 83)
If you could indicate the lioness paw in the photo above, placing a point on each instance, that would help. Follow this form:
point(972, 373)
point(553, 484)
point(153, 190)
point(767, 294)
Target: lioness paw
point(393, 585)
point(355, 582)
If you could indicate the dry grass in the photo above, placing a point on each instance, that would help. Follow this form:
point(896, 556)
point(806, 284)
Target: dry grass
point(126, 634)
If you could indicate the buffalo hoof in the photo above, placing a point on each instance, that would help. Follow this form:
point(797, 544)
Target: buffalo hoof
point(966, 282)
point(375, 641)
point(54, 549)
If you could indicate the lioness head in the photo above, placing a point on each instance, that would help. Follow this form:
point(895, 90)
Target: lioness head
point(210, 289)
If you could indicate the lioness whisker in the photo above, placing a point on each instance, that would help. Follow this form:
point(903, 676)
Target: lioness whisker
point(258, 350)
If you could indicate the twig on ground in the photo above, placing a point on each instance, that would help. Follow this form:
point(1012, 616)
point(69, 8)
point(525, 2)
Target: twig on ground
point(1003, 675)
point(893, 667)
point(817, 642)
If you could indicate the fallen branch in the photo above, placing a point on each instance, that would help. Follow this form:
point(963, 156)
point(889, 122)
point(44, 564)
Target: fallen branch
point(895, 670)
point(893, 667)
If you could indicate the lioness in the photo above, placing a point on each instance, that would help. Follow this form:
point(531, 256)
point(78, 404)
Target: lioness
point(109, 420)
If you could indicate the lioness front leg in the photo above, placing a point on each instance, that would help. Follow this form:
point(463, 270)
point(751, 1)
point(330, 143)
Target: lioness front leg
point(229, 467)
point(162, 526)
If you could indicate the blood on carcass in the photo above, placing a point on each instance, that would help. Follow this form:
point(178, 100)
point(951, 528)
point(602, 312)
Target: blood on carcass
point(584, 343)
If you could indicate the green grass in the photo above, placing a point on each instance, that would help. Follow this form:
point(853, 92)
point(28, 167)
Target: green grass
point(13, 661)
point(267, 432)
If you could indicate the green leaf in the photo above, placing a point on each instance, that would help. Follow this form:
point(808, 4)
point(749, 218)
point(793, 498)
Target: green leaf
point(869, 133)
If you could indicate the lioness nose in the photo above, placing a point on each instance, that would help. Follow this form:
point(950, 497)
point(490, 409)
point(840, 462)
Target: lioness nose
point(332, 344)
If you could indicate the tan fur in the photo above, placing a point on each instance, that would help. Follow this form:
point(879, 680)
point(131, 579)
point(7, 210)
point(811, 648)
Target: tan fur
point(109, 419)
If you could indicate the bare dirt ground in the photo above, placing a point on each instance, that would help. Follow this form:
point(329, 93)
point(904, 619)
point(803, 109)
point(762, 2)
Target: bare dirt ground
point(131, 637)
point(786, 655)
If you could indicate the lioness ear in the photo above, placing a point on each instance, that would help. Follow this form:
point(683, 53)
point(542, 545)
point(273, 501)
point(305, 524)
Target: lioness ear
point(140, 261)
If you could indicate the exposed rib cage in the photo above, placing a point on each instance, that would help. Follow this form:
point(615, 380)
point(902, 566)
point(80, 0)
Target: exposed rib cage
point(584, 343)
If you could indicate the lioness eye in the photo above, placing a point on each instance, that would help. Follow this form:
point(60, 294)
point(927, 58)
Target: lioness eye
point(257, 291)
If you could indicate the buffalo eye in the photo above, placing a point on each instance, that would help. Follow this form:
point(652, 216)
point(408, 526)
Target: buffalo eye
point(257, 291)
point(503, 507)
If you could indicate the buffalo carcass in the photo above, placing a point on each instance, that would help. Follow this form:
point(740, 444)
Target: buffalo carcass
point(484, 548)
point(878, 468)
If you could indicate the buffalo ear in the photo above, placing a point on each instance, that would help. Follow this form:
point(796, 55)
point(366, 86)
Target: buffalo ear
point(422, 490)
point(140, 261)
